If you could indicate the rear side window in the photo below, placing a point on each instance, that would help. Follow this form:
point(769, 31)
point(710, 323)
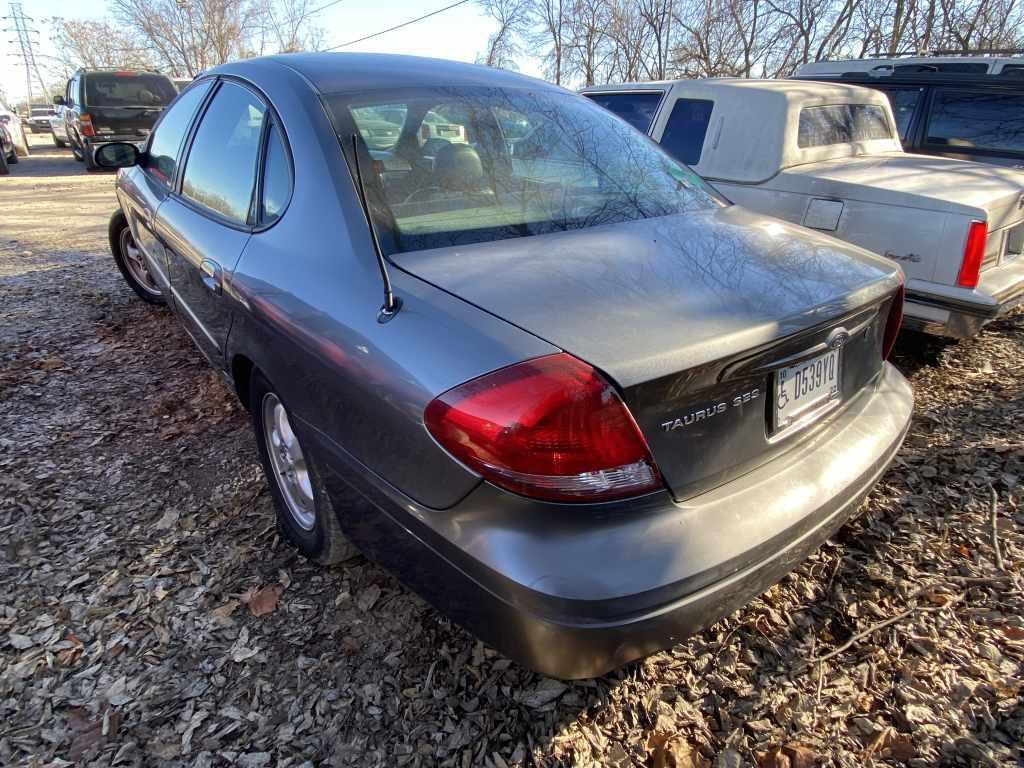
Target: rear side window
point(842, 124)
point(686, 128)
point(277, 179)
point(977, 120)
point(1013, 71)
point(637, 109)
point(904, 102)
point(221, 168)
point(127, 89)
point(162, 157)
point(963, 67)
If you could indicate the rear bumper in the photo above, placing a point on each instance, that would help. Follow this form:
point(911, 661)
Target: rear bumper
point(961, 313)
point(576, 591)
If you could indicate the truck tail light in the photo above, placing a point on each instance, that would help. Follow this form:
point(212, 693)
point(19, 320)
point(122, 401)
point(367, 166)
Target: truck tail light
point(974, 254)
point(86, 122)
point(551, 428)
point(893, 322)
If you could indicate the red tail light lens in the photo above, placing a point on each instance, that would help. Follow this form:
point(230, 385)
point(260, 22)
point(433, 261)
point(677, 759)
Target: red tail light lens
point(85, 121)
point(550, 428)
point(974, 253)
point(892, 324)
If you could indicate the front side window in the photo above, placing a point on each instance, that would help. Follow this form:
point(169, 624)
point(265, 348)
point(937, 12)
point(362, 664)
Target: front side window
point(903, 102)
point(992, 121)
point(161, 159)
point(637, 109)
point(841, 124)
point(221, 168)
point(505, 163)
point(686, 128)
point(128, 89)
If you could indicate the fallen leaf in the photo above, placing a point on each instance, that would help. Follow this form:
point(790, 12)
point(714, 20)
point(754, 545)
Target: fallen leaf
point(264, 600)
point(20, 642)
point(546, 691)
point(368, 597)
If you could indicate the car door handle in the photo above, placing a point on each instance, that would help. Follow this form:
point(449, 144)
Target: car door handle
point(212, 275)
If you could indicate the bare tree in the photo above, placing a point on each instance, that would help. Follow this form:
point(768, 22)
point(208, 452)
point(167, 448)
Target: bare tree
point(552, 37)
point(88, 43)
point(289, 25)
point(503, 47)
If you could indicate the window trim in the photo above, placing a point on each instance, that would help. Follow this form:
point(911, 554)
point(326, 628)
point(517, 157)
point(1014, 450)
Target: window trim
point(171, 185)
point(946, 149)
point(249, 225)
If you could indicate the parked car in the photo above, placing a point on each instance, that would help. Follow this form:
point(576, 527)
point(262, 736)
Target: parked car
point(12, 122)
point(7, 150)
point(569, 394)
point(103, 105)
point(39, 118)
point(826, 155)
point(969, 117)
point(954, 62)
point(58, 128)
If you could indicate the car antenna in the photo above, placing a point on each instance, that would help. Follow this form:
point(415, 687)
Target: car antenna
point(391, 302)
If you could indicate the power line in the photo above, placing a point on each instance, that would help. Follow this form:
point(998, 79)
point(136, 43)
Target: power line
point(24, 41)
point(398, 26)
point(323, 7)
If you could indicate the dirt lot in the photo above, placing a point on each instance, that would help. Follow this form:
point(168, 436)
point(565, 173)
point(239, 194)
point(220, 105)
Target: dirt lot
point(149, 616)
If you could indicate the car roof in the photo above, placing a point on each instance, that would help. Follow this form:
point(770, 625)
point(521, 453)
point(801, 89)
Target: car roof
point(346, 72)
point(787, 89)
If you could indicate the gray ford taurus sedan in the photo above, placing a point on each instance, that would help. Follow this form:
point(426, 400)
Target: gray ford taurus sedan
point(503, 343)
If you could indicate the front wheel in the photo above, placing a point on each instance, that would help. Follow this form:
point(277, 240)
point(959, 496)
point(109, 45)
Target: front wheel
point(4, 170)
point(305, 514)
point(130, 261)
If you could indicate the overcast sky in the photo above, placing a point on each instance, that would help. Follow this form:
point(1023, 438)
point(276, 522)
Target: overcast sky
point(459, 34)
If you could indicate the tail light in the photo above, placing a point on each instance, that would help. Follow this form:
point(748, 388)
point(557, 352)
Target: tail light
point(86, 122)
point(550, 428)
point(892, 324)
point(974, 253)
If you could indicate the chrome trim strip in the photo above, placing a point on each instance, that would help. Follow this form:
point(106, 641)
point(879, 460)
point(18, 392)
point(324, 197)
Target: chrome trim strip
point(184, 305)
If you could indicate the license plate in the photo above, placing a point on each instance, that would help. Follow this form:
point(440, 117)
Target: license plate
point(802, 390)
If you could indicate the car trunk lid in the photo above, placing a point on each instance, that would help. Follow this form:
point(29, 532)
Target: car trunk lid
point(685, 313)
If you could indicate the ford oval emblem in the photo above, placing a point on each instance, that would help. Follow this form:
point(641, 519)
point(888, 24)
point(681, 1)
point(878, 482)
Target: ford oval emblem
point(838, 339)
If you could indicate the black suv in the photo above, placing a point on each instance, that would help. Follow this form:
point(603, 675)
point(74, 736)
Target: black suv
point(967, 116)
point(104, 105)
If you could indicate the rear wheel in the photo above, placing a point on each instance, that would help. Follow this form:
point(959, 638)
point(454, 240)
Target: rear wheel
point(4, 170)
point(59, 143)
point(13, 159)
point(305, 514)
point(130, 261)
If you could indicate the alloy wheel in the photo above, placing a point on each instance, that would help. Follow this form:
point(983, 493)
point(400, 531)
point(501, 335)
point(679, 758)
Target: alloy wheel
point(291, 472)
point(136, 263)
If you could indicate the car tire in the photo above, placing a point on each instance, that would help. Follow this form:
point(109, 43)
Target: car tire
point(59, 143)
point(13, 159)
point(4, 170)
point(76, 150)
point(306, 516)
point(131, 263)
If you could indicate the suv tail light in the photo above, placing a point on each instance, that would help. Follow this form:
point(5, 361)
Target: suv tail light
point(86, 123)
point(974, 253)
point(892, 324)
point(550, 428)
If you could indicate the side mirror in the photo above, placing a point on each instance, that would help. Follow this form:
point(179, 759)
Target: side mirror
point(117, 154)
point(58, 100)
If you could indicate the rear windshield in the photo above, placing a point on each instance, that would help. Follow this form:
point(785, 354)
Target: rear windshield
point(452, 166)
point(126, 89)
point(637, 109)
point(842, 124)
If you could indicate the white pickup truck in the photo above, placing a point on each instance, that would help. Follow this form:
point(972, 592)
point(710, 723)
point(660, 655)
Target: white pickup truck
point(827, 156)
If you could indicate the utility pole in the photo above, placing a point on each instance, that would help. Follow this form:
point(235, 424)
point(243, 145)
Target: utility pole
point(23, 39)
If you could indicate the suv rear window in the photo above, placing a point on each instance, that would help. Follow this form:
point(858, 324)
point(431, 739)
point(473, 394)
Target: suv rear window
point(977, 120)
point(687, 126)
point(842, 124)
point(128, 89)
point(637, 109)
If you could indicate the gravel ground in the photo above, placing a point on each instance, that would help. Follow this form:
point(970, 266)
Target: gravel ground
point(149, 615)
